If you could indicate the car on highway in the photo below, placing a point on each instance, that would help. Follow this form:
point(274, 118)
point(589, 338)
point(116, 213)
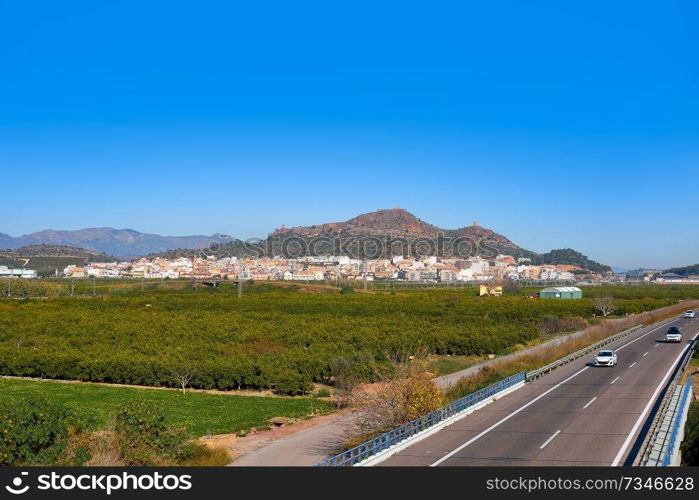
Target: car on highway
point(673, 335)
point(689, 314)
point(605, 358)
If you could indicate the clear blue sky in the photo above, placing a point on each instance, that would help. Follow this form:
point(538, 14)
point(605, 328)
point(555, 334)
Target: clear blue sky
point(558, 124)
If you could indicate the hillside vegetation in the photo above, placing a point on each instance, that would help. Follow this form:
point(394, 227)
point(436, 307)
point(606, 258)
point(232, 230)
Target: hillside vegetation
point(685, 271)
point(49, 260)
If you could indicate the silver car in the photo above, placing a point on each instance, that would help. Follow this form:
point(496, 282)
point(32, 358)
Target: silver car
point(605, 358)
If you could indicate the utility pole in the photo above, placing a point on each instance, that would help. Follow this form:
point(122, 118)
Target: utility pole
point(240, 280)
point(365, 284)
point(94, 285)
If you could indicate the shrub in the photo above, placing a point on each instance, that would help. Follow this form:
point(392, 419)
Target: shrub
point(291, 383)
point(406, 393)
point(144, 438)
point(36, 432)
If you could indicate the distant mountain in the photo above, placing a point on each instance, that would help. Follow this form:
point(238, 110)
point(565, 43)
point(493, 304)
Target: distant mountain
point(574, 258)
point(620, 270)
point(408, 234)
point(118, 242)
point(382, 233)
point(685, 271)
point(395, 232)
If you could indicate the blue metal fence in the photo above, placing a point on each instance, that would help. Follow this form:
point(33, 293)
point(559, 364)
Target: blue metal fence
point(365, 450)
point(677, 424)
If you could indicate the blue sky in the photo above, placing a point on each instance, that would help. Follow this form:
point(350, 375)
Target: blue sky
point(557, 124)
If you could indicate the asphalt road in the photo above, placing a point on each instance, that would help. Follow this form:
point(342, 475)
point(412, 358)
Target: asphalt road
point(577, 415)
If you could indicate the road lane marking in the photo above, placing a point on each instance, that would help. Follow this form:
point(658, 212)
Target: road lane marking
point(590, 402)
point(638, 423)
point(656, 345)
point(505, 419)
point(631, 365)
point(550, 439)
point(615, 380)
point(646, 354)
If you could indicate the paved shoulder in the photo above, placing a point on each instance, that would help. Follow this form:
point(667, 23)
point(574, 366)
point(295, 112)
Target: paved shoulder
point(305, 448)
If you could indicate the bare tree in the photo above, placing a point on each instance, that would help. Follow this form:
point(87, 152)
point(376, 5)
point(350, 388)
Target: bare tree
point(605, 305)
point(402, 394)
point(183, 376)
point(511, 286)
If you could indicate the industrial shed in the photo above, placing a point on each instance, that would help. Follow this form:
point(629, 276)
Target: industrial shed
point(561, 292)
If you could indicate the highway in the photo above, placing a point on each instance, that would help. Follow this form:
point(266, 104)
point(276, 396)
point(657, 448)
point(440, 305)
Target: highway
point(577, 415)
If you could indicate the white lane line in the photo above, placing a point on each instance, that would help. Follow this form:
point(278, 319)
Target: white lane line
point(646, 354)
point(614, 380)
point(631, 365)
point(656, 345)
point(638, 423)
point(590, 402)
point(505, 419)
point(550, 439)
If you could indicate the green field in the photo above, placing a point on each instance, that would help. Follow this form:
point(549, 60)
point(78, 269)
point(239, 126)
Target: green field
point(199, 413)
point(277, 338)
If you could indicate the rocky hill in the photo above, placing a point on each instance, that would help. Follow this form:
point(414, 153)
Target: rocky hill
point(396, 231)
point(382, 233)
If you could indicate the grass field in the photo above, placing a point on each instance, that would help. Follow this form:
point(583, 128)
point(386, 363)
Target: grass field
point(199, 413)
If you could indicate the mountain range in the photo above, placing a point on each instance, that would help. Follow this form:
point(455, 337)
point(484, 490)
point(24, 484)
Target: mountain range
point(117, 242)
point(358, 236)
point(390, 232)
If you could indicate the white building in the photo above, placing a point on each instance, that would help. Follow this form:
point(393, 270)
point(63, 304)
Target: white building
point(7, 272)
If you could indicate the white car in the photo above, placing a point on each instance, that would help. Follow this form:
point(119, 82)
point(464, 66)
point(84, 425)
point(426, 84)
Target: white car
point(673, 335)
point(605, 358)
point(689, 314)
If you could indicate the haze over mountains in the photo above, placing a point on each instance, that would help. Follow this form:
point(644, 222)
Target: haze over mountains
point(397, 222)
point(118, 242)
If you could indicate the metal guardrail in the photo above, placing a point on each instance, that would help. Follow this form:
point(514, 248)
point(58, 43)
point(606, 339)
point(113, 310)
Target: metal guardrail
point(656, 444)
point(380, 443)
point(678, 423)
point(533, 375)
